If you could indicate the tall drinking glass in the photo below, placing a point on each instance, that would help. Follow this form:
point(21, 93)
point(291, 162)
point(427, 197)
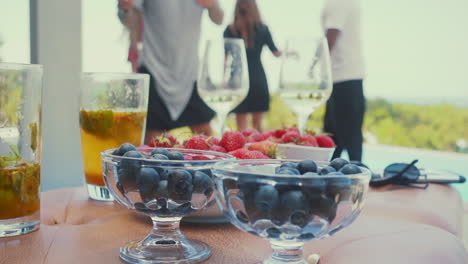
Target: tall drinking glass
point(20, 148)
point(305, 79)
point(112, 112)
point(223, 80)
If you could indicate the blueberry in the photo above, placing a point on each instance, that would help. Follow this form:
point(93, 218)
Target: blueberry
point(124, 148)
point(350, 169)
point(179, 185)
point(202, 183)
point(324, 207)
point(306, 236)
point(184, 209)
point(307, 166)
point(159, 157)
point(162, 151)
point(339, 186)
point(266, 198)
point(326, 170)
point(289, 165)
point(120, 188)
point(175, 155)
point(338, 163)
point(299, 218)
point(273, 232)
point(293, 200)
point(147, 183)
point(314, 186)
point(131, 164)
point(163, 172)
point(288, 171)
point(127, 179)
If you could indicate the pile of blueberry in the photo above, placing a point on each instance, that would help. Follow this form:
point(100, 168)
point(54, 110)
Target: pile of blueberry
point(316, 191)
point(166, 188)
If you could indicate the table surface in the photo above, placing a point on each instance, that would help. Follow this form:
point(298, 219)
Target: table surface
point(397, 225)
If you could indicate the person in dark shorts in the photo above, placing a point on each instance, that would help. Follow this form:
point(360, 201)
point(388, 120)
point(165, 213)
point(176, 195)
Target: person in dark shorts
point(248, 26)
point(345, 108)
point(171, 33)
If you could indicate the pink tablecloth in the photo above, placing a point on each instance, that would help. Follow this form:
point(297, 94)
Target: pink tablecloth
point(396, 226)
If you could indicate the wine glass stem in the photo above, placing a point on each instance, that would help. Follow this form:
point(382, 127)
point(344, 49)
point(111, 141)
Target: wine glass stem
point(286, 253)
point(166, 229)
point(302, 119)
point(222, 123)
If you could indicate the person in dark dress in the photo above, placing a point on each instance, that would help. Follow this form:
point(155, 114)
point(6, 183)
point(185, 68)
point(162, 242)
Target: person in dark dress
point(248, 26)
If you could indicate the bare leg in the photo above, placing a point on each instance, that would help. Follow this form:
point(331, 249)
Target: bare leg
point(150, 134)
point(203, 128)
point(241, 120)
point(257, 118)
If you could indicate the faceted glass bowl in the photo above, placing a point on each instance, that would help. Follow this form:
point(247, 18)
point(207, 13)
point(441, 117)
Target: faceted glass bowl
point(288, 210)
point(166, 191)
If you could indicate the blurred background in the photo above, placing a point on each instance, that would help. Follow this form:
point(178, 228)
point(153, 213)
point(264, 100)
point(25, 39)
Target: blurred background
point(416, 57)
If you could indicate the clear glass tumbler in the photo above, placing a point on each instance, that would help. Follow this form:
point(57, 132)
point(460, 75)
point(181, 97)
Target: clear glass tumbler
point(112, 112)
point(20, 148)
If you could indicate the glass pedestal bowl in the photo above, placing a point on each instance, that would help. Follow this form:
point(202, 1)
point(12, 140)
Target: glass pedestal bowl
point(166, 191)
point(288, 210)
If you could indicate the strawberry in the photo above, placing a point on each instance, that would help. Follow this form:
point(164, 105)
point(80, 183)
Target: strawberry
point(266, 147)
point(254, 154)
point(197, 142)
point(325, 141)
point(308, 140)
point(279, 133)
point(200, 157)
point(232, 140)
point(218, 149)
point(165, 140)
point(291, 136)
point(238, 153)
point(248, 131)
point(293, 129)
point(259, 137)
point(213, 141)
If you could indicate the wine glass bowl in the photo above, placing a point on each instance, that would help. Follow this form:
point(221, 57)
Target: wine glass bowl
point(165, 190)
point(305, 78)
point(223, 79)
point(288, 210)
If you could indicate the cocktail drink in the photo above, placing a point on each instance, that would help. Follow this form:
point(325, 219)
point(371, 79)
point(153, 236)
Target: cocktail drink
point(113, 111)
point(20, 148)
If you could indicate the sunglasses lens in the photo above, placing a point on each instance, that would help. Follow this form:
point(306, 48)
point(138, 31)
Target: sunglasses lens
point(411, 174)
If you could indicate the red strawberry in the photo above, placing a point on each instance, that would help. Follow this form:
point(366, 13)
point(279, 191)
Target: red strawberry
point(200, 158)
point(213, 141)
point(238, 153)
point(259, 137)
point(325, 141)
point(279, 133)
point(248, 131)
point(232, 140)
point(165, 140)
point(291, 136)
point(293, 129)
point(197, 142)
point(254, 154)
point(308, 140)
point(268, 134)
point(218, 149)
point(266, 147)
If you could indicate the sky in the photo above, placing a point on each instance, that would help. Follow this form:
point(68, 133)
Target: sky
point(413, 49)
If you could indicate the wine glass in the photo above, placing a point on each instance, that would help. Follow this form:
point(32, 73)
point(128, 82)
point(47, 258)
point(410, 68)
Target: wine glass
point(263, 198)
point(223, 80)
point(144, 180)
point(305, 78)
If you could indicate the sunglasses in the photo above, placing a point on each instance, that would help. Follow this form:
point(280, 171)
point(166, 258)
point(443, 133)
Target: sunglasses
point(401, 174)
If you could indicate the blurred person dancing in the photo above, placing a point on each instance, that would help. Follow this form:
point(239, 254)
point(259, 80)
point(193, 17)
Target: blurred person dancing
point(341, 20)
point(170, 35)
point(248, 26)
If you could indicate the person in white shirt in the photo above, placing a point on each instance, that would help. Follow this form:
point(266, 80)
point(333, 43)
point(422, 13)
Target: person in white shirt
point(341, 21)
point(171, 33)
